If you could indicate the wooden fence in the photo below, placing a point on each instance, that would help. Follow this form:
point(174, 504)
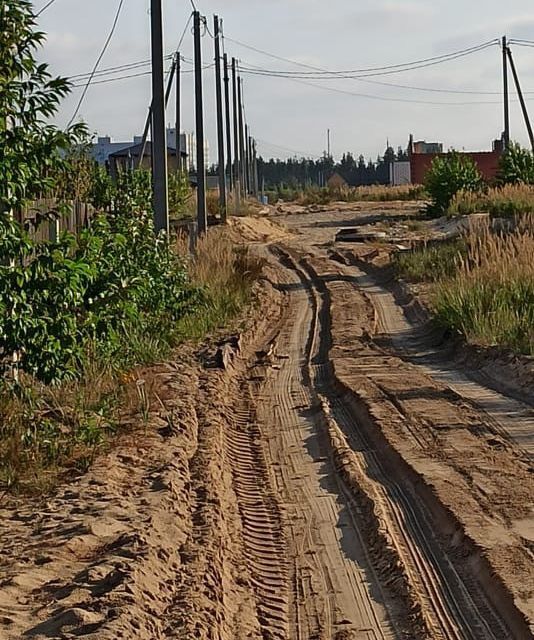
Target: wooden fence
point(78, 216)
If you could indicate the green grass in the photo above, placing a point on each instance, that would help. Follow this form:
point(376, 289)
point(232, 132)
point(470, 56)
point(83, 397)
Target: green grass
point(481, 286)
point(431, 263)
point(488, 312)
point(500, 202)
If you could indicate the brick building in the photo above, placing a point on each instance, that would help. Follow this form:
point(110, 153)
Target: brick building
point(486, 161)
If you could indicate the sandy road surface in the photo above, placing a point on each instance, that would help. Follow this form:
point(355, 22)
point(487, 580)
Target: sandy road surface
point(333, 481)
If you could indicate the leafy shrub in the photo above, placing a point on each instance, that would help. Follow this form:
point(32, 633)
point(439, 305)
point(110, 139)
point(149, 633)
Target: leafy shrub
point(181, 200)
point(447, 175)
point(516, 165)
point(56, 298)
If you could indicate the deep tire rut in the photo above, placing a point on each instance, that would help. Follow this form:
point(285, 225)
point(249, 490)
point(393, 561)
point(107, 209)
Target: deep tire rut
point(449, 607)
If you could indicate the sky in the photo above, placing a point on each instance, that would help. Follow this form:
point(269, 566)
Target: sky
point(291, 118)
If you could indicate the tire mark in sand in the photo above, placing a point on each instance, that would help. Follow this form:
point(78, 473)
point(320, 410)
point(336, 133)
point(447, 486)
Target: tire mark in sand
point(336, 593)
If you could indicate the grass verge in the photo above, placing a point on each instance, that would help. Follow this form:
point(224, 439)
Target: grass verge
point(49, 433)
point(372, 193)
point(481, 286)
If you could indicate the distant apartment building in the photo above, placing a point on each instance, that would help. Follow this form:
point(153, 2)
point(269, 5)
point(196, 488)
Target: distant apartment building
point(189, 144)
point(105, 148)
point(422, 146)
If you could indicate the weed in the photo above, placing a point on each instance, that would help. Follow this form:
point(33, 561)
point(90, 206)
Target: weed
point(432, 263)
point(490, 299)
point(505, 201)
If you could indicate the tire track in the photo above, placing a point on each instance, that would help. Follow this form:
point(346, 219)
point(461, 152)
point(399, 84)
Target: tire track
point(264, 543)
point(451, 608)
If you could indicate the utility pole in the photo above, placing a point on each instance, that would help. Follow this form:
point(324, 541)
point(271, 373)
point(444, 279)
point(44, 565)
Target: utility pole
point(237, 168)
point(250, 163)
point(220, 123)
point(505, 94)
point(241, 133)
point(247, 161)
point(159, 143)
point(255, 167)
point(149, 116)
point(202, 220)
point(328, 141)
point(521, 98)
point(227, 118)
point(178, 123)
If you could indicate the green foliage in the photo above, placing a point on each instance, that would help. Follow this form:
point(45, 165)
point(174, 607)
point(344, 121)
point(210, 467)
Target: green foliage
point(55, 298)
point(180, 196)
point(31, 151)
point(448, 175)
point(516, 165)
point(430, 263)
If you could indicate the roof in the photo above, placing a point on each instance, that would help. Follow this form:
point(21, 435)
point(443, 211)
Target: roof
point(134, 150)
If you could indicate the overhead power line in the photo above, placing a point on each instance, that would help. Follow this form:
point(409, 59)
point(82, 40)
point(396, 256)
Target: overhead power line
point(382, 98)
point(317, 72)
point(104, 49)
point(43, 9)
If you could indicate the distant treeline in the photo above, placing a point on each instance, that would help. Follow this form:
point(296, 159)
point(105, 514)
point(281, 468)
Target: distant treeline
point(302, 172)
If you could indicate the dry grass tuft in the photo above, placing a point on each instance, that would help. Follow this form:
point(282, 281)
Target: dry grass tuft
point(490, 300)
point(227, 271)
point(506, 201)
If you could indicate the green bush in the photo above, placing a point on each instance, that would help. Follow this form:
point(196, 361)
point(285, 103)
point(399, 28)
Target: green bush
point(516, 166)
point(56, 298)
point(447, 175)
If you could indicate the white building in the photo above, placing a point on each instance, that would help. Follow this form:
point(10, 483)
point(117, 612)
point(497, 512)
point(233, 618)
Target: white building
point(104, 147)
point(188, 143)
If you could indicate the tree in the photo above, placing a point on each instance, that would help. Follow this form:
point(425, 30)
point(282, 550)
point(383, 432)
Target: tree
point(516, 165)
point(447, 175)
point(31, 151)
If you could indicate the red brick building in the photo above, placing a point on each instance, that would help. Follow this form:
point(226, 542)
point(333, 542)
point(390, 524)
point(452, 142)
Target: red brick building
point(486, 161)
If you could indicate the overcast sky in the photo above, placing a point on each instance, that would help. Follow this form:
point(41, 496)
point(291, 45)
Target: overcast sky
point(288, 117)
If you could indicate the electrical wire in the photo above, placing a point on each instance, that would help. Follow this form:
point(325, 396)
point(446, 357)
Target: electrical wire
point(104, 49)
point(369, 71)
point(326, 75)
point(48, 4)
point(127, 77)
point(381, 98)
point(278, 146)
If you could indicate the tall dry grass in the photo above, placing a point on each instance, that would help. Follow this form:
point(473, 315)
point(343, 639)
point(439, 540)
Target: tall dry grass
point(506, 201)
point(371, 193)
point(490, 299)
point(227, 271)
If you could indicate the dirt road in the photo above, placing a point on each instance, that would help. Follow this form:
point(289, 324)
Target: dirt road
point(336, 479)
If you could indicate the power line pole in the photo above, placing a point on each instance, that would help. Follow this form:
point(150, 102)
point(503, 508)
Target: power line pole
point(159, 143)
point(521, 98)
point(178, 123)
point(328, 141)
point(220, 123)
point(247, 161)
point(202, 220)
point(250, 168)
point(237, 168)
point(149, 116)
point(227, 117)
point(255, 168)
point(241, 133)
point(505, 94)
